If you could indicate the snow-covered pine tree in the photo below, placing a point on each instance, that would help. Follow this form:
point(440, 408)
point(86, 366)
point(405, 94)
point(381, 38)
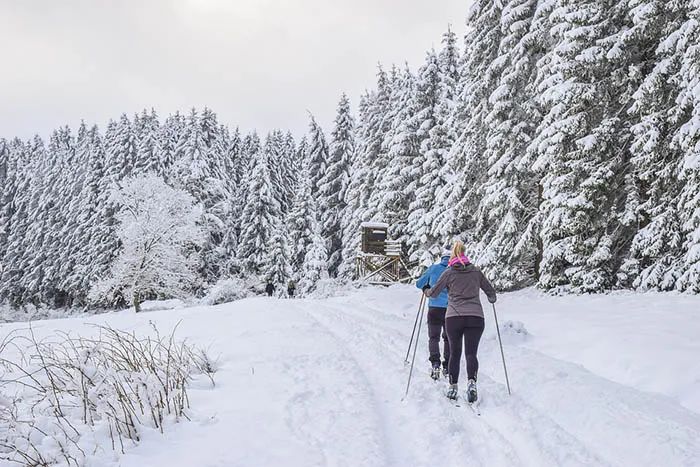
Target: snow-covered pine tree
point(8, 173)
point(73, 232)
point(299, 221)
point(159, 231)
point(688, 139)
point(276, 268)
point(233, 163)
point(334, 182)
point(103, 241)
point(24, 237)
point(354, 195)
point(148, 149)
point(13, 216)
point(427, 165)
point(42, 271)
point(317, 153)
point(652, 184)
point(401, 143)
point(291, 165)
point(123, 146)
point(443, 135)
point(504, 248)
point(282, 178)
point(458, 199)
point(315, 267)
point(581, 146)
point(260, 216)
point(301, 153)
point(90, 228)
point(168, 139)
point(372, 130)
point(200, 171)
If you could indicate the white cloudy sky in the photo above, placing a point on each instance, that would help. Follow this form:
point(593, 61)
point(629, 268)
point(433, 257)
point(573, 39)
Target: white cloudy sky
point(258, 63)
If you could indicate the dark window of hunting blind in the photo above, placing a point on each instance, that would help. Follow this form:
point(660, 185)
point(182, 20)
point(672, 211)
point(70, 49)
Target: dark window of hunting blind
point(373, 240)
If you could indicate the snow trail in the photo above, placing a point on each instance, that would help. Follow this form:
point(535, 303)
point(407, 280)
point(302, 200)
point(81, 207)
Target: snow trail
point(541, 445)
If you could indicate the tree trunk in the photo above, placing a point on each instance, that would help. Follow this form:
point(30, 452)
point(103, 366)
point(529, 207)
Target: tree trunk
point(137, 302)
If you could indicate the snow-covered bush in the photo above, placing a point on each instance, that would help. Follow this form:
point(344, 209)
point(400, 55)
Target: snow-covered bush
point(68, 400)
point(32, 313)
point(227, 290)
point(326, 288)
point(158, 305)
point(512, 332)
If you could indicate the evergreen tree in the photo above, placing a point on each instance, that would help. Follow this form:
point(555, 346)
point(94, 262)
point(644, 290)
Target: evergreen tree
point(652, 185)
point(299, 221)
point(458, 198)
point(373, 128)
point(504, 249)
point(315, 267)
point(259, 218)
point(148, 146)
point(317, 154)
point(354, 195)
point(688, 139)
point(276, 267)
point(581, 158)
point(334, 182)
point(200, 171)
point(401, 143)
point(427, 164)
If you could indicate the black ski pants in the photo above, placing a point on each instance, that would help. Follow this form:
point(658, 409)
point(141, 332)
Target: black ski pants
point(468, 329)
point(436, 327)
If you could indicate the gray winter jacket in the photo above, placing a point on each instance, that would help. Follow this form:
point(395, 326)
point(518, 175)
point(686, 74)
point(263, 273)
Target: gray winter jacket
point(463, 283)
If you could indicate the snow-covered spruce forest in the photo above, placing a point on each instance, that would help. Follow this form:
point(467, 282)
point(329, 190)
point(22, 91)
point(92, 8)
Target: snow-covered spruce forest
point(559, 139)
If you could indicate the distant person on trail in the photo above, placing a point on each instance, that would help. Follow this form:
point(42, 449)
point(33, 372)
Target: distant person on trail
point(269, 288)
point(291, 287)
point(465, 317)
point(437, 307)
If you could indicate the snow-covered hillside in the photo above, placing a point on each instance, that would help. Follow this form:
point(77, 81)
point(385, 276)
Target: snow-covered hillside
point(597, 380)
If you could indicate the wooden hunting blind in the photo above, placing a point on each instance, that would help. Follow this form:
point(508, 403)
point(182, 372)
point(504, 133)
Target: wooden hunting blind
point(380, 259)
point(374, 237)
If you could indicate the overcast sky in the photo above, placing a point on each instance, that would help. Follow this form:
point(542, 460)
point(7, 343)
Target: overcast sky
point(257, 63)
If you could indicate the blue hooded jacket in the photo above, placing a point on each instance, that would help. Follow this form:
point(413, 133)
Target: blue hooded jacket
point(430, 277)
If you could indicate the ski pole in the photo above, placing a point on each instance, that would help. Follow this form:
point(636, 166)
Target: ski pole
point(405, 360)
point(498, 331)
point(415, 347)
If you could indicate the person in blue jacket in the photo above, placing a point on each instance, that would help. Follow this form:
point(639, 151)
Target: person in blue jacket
point(437, 307)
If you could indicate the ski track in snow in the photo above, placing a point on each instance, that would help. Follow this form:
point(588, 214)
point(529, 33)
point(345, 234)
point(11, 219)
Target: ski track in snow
point(320, 383)
point(558, 412)
point(544, 443)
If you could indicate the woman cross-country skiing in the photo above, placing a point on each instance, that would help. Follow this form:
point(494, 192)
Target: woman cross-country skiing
point(437, 307)
point(464, 320)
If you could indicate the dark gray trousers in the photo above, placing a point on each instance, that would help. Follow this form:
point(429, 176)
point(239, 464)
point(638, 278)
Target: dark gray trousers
point(436, 327)
point(469, 329)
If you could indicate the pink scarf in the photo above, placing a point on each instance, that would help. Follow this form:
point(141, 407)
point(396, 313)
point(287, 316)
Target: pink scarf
point(463, 260)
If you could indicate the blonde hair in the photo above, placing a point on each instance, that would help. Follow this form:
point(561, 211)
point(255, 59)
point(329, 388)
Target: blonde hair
point(458, 249)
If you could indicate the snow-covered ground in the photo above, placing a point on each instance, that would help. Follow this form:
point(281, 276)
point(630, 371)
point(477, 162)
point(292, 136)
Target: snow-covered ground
point(597, 380)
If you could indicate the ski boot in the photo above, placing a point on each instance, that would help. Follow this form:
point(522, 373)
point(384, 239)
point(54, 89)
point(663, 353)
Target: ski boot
point(435, 373)
point(452, 392)
point(445, 373)
point(471, 391)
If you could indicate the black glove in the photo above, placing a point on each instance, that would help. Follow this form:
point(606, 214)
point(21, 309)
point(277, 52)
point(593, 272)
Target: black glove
point(492, 300)
point(426, 287)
